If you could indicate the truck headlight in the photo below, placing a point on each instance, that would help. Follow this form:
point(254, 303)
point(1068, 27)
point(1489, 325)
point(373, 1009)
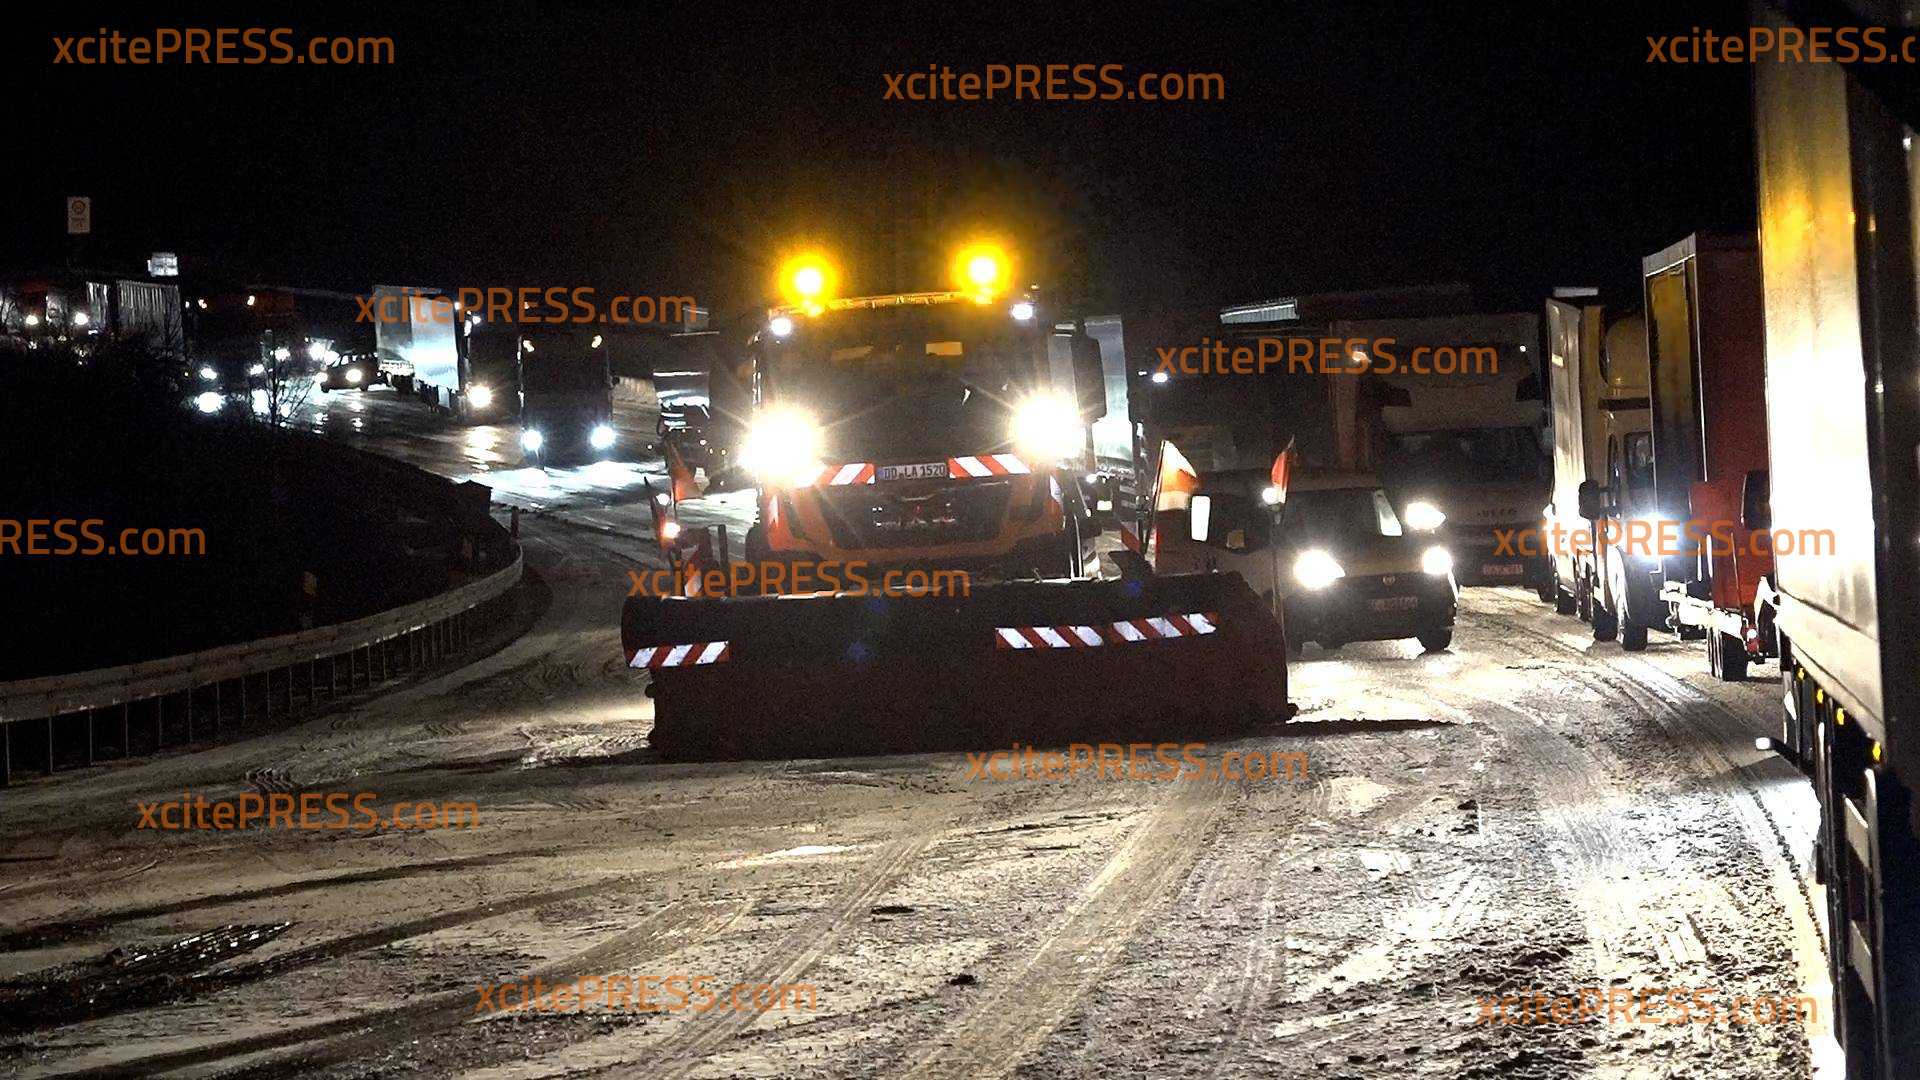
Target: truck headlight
point(1423, 516)
point(782, 446)
point(1316, 569)
point(480, 395)
point(354, 375)
point(208, 373)
point(1437, 561)
point(531, 439)
point(1046, 428)
point(208, 402)
point(601, 437)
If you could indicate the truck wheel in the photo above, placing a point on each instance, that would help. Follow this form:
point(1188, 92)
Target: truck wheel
point(1605, 625)
point(1583, 599)
point(1436, 640)
point(1563, 601)
point(1726, 657)
point(1547, 589)
point(1633, 636)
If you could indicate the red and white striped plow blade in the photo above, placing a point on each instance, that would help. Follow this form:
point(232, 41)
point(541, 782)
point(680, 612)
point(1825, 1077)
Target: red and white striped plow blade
point(1124, 632)
point(987, 465)
point(690, 655)
point(853, 472)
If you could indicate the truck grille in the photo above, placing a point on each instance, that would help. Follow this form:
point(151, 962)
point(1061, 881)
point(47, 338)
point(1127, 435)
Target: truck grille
point(912, 515)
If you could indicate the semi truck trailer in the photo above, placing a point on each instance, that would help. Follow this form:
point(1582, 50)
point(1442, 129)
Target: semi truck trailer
point(1837, 169)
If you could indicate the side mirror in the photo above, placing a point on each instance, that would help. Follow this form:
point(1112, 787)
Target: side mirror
point(1199, 516)
point(1089, 377)
point(1756, 501)
point(1590, 500)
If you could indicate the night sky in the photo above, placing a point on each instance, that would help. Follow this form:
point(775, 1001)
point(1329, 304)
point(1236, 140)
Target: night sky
point(646, 150)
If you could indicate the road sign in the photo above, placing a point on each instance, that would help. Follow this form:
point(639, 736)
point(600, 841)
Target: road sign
point(79, 215)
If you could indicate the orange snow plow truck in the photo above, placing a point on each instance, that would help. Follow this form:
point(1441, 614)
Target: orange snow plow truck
point(917, 574)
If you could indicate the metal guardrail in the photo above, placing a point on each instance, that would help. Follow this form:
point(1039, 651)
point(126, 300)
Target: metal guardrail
point(374, 649)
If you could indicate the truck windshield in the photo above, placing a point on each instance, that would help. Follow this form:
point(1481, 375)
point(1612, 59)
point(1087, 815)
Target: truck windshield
point(562, 363)
point(1472, 455)
point(1338, 513)
point(939, 379)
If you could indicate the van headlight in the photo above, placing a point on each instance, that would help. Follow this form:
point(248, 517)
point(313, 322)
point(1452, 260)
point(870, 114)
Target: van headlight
point(601, 437)
point(1316, 569)
point(1437, 561)
point(782, 446)
point(1423, 516)
point(531, 439)
point(1046, 428)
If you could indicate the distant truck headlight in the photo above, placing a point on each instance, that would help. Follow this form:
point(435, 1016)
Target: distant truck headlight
point(209, 374)
point(782, 446)
point(355, 375)
point(601, 437)
point(208, 402)
point(480, 395)
point(531, 439)
point(1423, 516)
point(1046, 428)
point(1437, 561)
point(80, 318)
point(1316, 569)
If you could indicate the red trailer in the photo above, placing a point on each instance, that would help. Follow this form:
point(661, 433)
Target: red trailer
point(1705, 336)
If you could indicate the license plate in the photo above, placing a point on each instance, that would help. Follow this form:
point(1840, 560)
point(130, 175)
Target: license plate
point(934, 470)
point(1502, 570)
point(1396, 603)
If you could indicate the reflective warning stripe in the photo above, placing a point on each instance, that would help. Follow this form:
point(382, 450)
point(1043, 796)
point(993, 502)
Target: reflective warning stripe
point(986, 465)
point(690, 655)
point(853, 472)
point(1156, 628)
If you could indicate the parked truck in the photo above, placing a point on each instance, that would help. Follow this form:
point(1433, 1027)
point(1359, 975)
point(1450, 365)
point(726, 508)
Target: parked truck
point(1710, 447)
point(1602, 434)
point(1837, 252)
point(1702, 365)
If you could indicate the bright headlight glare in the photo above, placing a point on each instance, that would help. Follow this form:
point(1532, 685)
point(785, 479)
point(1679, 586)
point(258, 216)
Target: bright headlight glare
point(782, 446)
point(1023, 311)
point(209, 374)
point(781, 326)
point(1423, 516)
point(1436, 561)
point(480, 395)
point(1271, 495)
point(601, 437)
point(531, 439)
point(1046, 428)
point(208, 402)
point(354, 375)
point(1316, 569)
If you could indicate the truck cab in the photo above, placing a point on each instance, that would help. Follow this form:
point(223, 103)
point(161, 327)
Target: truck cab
point(566, 395)
point(920, 429)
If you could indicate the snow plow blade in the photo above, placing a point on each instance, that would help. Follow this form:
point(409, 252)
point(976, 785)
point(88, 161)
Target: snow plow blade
point(1173, 658)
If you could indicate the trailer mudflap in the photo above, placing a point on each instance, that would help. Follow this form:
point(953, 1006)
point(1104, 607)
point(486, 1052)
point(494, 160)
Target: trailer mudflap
point(1159, 659)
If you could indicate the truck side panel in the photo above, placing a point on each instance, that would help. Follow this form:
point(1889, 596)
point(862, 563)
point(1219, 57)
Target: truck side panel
point(1816, 384)
point(1579, 430)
